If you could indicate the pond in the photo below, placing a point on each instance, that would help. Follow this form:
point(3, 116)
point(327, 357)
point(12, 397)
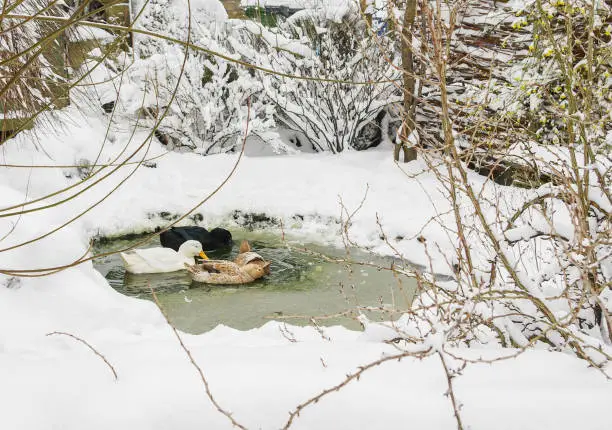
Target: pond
point(301, 283)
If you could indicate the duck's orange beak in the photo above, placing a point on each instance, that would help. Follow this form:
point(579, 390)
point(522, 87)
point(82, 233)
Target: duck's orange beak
point(204, 256)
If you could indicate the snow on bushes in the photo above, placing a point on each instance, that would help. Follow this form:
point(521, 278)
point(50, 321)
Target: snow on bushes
point(208, 98)
point(353, 83)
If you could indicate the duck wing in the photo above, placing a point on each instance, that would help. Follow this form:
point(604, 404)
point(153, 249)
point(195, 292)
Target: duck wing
point(221, 272)
point(158, 259)
point(192, 232)
point(222, 266)
point(247, 257)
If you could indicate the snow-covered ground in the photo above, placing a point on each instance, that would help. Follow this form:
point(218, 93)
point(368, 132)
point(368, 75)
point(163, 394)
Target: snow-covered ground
point(54, 381)
point(260, 376)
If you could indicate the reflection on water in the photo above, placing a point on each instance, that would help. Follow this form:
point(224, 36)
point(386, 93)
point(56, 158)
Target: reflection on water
point(299, 284)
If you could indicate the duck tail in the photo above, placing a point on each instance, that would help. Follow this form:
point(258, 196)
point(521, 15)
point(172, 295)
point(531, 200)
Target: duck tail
point(244, 247)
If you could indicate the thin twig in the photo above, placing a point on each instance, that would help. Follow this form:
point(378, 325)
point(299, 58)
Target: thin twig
point(352, 377)
point(83, 341)
point(197, 367)
point(451, 392)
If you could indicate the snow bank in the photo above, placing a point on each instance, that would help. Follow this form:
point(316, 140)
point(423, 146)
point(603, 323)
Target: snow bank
point(260, 376)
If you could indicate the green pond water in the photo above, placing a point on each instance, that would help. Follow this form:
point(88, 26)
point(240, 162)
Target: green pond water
point(300, 284)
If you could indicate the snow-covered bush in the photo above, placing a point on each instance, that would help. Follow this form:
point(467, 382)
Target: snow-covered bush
point(200, 100)
point(352, 82)
point(532, 267)
point(211, 100)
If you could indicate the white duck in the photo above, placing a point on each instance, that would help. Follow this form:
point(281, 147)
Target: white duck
point(160, 260)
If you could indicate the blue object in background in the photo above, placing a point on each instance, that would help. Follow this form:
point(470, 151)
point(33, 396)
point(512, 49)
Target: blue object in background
point(380, 25)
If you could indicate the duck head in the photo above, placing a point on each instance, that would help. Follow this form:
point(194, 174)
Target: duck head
point(192, 248)
point(257, 271)
point(221, 236)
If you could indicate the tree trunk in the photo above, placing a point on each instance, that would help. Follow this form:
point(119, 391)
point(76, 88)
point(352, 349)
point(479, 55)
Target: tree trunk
point(408, 124)
point(363, 4)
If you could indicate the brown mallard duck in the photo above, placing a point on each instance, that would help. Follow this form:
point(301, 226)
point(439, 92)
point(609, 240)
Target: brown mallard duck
point(247, 267)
